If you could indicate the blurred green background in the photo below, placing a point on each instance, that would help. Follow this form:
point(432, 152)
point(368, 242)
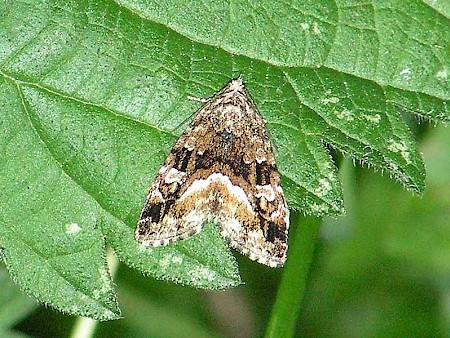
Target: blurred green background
point(383, 270)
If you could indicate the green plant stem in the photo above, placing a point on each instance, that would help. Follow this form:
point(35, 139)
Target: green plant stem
point(290, 293)
point(85, 327)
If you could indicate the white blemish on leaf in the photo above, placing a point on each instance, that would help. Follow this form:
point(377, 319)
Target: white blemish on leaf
point(164, 262)
point(375, 118)
point(400, 147)
point(406, 73)
point(108, 314)
point(442, 74)
point(396, 172)
point(319, 209)
point(177, 260)
point(344, 115)
point(323, 188)
point(304, 25)
point(104, 276)
point(96, 294)
point(199, 273)
point(331, 177)
point(326, 166)
point(169, 259)
point(72, 229)
point(105, 282)
point(315, 28)
point(331, 99)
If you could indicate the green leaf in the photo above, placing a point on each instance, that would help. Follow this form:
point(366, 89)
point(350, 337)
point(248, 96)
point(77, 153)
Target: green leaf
point(383, 269)
point(49, 227)
point(92, 95)
point(391, 42)
point(14, 305)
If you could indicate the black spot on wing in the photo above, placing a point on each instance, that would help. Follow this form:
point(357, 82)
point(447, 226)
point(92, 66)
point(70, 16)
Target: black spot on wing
point(168, 205)
point(152, 211)
point(242, 170)
point(274, 231)
point(205, 160)
point(263, 171)
point(182, 158)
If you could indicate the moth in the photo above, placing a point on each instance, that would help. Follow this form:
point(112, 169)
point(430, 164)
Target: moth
point(221, 169)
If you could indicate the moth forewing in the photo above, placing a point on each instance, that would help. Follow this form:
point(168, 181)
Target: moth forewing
point(222, 168)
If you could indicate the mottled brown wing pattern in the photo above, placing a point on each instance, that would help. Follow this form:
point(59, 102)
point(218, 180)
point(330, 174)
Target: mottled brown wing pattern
point(221, 169)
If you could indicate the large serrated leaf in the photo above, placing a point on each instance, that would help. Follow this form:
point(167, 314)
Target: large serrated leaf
point(93, 94)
